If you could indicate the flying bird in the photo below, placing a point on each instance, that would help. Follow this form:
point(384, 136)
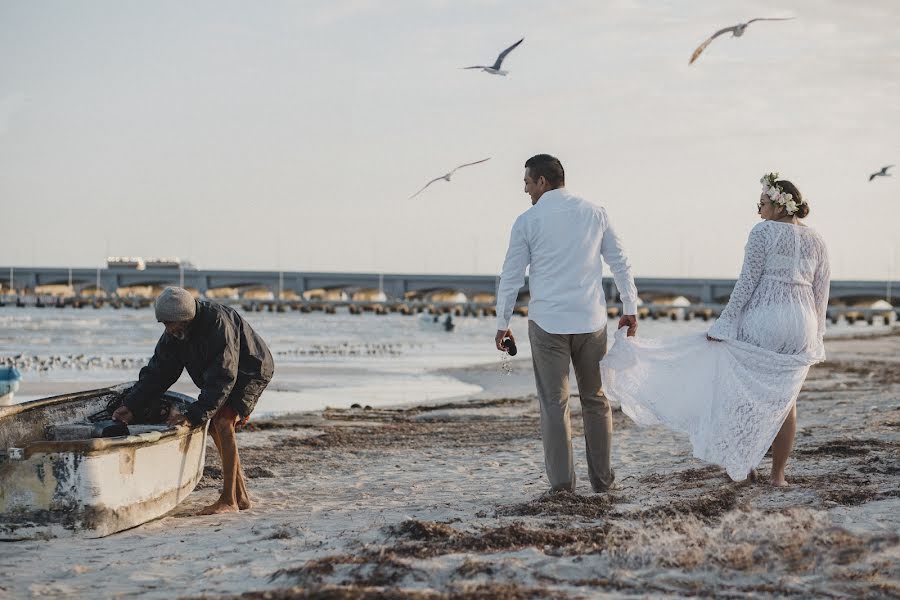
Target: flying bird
point(882, 173)
point(447, 176)
point(735, 30)
point(495, 69)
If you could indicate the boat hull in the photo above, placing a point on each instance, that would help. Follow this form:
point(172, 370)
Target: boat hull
point(93, 487)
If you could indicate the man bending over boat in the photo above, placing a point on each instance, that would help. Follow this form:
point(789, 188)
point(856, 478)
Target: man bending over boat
point(227, 360)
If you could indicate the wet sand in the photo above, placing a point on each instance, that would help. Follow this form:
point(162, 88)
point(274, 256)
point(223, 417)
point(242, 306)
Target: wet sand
point(445, 501)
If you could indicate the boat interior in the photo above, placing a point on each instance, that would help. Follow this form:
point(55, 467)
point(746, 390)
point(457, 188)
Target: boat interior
point(82, 416)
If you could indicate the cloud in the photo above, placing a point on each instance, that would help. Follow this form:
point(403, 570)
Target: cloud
point(339, 10)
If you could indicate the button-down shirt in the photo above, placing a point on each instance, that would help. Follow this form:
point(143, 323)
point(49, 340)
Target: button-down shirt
point(562, 237)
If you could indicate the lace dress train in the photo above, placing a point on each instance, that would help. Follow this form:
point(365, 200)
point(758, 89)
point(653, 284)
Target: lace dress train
point(731, 397)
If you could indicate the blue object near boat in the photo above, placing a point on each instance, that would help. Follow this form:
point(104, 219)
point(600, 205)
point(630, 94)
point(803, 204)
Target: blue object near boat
point(9, 380)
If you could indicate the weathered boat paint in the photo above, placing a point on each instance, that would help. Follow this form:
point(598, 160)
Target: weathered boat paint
point(91, 487)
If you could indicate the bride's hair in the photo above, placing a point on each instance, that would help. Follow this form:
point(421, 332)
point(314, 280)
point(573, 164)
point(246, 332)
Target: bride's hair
point(791, 189)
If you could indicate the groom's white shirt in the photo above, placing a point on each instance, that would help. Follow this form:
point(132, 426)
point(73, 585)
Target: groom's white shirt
point(562, 237)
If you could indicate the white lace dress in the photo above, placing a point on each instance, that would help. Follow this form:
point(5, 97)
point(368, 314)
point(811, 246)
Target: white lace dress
point(731, 397)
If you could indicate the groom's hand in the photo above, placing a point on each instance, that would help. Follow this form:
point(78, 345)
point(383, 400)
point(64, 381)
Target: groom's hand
point(629, 321)
point(501, 335)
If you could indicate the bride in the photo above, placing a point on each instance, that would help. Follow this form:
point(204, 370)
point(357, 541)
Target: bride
point(734, 389)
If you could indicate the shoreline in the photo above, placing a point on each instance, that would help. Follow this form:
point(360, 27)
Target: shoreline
point(486, 375)
point(446, 501)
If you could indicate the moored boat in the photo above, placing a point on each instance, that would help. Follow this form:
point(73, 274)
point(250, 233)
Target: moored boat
point(65, 470)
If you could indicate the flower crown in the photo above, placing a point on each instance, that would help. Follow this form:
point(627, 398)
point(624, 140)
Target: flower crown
point(777, 195)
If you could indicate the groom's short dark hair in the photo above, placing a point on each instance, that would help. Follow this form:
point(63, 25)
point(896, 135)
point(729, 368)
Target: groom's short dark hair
point(548, 167)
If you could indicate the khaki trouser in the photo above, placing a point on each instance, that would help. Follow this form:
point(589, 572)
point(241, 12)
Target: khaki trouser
point(551, 353)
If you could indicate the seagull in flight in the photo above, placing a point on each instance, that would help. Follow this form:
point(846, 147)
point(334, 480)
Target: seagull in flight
point(882, 173)
point(735, 30)
point(495, 69)
point(447, 176)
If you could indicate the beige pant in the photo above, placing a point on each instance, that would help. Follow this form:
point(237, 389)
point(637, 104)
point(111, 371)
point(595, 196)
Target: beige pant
point(551, 353)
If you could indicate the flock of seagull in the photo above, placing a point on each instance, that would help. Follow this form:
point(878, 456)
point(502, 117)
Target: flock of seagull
point(80, 362)
point(496, 69)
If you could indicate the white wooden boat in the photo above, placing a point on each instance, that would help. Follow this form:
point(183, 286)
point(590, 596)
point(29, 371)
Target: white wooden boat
point(57, 480)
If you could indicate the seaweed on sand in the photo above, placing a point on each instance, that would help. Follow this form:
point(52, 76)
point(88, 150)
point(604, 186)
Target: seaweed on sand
point(369, 569)
point(562, 504)
point(424, 539)
point(489, 591)
point(707, 505)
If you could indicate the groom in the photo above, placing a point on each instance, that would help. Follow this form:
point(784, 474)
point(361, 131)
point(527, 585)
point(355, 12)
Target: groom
point(562, 238)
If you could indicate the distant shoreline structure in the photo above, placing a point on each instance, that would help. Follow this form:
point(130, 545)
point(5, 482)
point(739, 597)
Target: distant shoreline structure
point(140, 264)
point(127, 285)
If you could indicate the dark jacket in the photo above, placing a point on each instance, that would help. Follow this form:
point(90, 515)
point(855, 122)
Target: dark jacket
point(219, 349)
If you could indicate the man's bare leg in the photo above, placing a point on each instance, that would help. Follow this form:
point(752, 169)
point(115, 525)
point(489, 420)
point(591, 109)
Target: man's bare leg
point(243, 497)
point(781, 448)
point(222, 429)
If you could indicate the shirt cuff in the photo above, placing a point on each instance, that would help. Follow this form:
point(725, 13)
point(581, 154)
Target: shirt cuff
point(629, 308)
point(193, 416)
point(502, 324)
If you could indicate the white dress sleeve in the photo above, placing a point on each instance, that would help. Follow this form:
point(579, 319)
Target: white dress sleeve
point(726, 326)
point(821, 288)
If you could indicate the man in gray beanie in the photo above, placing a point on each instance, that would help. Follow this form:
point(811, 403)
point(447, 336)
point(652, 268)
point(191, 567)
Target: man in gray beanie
point(226, 359)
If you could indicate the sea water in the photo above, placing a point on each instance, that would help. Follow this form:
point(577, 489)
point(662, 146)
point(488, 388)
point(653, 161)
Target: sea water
point(320, 360)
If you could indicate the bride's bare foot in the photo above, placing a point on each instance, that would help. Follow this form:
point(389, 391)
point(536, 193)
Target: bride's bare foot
point(779, 482)
point(217, 507)
point(244, 504)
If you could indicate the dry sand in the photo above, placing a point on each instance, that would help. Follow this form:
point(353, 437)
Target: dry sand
point(445, 502)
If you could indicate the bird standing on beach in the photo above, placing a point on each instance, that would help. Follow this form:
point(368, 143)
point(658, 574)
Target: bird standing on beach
point(735, 30)
point(495, 69)
point(447, 176)
point(882, 173)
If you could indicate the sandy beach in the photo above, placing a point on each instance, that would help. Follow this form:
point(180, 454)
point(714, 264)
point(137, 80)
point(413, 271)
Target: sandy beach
point(445, 501)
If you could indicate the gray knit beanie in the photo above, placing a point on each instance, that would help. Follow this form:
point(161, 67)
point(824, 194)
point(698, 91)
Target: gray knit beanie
point(174, 305)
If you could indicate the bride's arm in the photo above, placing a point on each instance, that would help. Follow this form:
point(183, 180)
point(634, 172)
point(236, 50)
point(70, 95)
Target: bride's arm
point(754, 262)
point(821, 287)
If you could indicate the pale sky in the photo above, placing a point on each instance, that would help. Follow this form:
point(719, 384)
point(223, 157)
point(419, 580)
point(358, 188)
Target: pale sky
point(291, 134)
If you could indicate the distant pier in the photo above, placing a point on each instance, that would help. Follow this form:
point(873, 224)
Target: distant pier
point(653, 311)
point(123, 287)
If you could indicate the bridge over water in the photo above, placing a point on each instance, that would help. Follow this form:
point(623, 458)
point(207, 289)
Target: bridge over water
point(394, 285)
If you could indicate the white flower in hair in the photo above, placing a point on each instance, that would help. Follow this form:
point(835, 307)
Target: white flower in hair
point(791, 207)
point(774, 194)
point(787, 197)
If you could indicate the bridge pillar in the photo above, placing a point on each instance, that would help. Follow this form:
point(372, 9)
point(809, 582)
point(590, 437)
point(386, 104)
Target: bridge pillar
point(395, 288)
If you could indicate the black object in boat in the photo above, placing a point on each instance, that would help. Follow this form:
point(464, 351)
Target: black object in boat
point(109, 428)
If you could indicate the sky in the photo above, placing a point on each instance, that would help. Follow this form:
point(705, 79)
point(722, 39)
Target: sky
point(290, 135)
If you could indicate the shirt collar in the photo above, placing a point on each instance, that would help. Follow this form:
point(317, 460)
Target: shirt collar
point(552, 195)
